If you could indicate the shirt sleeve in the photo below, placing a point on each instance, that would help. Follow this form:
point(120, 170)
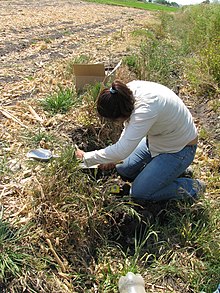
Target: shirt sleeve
point(138, 126)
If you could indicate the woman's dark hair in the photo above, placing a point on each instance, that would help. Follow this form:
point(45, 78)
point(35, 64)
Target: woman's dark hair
point(116, 102)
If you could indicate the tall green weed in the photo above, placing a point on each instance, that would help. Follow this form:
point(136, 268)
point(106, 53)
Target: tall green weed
point(184, 45)
point(195, 26)
point(158, 60)
point(196, 30)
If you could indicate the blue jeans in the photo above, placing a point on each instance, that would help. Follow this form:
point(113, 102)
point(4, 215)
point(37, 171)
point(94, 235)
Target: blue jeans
point(156, 179)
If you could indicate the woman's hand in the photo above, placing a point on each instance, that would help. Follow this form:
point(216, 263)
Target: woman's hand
point(79, 153)
point(106, 167)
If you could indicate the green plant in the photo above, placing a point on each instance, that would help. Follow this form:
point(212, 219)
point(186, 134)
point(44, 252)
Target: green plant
point(212, 57)
point(141, 252)
point(38, 136)
point(134, 64)
point(194, 31)
point(144, 33)
point(215, 105)
point(82, 59)
point(60, 102)
point(13, 259)
point(93, 91)
point(3, 164)
point(89, 97)
point(160, 61)
point(204, 134)
point(157, 61)
point(4, 168)
point(194, 26)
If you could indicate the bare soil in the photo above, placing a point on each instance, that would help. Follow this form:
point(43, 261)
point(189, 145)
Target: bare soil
point(36, 37)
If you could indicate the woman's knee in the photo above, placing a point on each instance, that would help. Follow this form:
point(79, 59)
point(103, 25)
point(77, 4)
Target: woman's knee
point(125, 172)
point(138, 193)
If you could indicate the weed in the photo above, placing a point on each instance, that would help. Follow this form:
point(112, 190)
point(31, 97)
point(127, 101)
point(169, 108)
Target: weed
point(60, 102)
point(4, 168)
point(89, 97)
point(4, 165)
point(196, 33)
point(134, 64)
point(30, 77)
point(12, 258)
point(141, 240)
point(160, 62)
point(141, 33)
point(39, 137)
point(157, 61)
point(212, 57)
point(204, 134)
point(215, 105)
point(172, 49)
point(92, 92)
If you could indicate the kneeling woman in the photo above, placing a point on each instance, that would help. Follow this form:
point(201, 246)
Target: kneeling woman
point(157, 144)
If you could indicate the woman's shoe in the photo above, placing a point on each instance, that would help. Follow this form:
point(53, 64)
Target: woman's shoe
point(188, 173)
point(201, 186)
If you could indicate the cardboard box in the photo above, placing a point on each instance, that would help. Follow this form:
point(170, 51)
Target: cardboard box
point(91, 73)
point(88, 74)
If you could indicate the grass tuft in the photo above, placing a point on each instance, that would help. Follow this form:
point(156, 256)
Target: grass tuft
point(13, 259)
point(60, 102)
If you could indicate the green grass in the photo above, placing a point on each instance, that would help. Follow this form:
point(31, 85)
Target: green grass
point(60, 102)
point(3, 164)
point(13, 259)
point(4, 168)
point(182, 44)
point(195, 33)
point(157, 60)
point(37, 137)
point(136, 4)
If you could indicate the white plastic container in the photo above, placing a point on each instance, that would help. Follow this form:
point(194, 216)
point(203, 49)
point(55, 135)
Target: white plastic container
point(131, 283)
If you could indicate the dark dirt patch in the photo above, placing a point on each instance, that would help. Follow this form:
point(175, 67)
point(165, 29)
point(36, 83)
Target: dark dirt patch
point(92, 138)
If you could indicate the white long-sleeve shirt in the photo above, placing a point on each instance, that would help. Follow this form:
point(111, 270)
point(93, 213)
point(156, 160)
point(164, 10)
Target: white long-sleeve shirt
point(158, 114)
